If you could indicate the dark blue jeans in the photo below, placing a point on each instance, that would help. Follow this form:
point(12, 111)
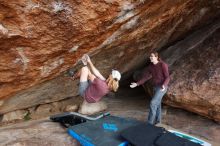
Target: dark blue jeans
point(154, 116)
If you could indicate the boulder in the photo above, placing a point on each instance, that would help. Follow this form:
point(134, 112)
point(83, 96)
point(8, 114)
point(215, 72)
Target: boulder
point(41, 40)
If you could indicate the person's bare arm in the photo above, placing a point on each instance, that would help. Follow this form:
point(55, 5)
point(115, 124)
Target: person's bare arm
point(94, 70)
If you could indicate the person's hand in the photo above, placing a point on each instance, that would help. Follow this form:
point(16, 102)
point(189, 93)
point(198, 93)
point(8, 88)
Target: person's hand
point(87, 58)
point(133, 85)
point(72, 78)
point(162, 88)
point(84, 59)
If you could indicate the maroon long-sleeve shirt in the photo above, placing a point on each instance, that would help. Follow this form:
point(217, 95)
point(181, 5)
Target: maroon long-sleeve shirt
point(158, 72)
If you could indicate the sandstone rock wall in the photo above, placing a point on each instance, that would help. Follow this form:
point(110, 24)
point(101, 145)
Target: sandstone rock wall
point(195, 72)
point(39, 40)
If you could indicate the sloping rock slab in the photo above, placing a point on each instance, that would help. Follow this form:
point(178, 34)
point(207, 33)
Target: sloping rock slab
point(36, 133)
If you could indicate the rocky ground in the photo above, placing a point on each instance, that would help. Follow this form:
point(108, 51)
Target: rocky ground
point(126, 103)
point(135, 104)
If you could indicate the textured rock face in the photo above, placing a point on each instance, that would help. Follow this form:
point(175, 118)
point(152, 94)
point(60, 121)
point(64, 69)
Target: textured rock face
point(39, 40)
point(195, 72)
point(195, 83)
point(36, 133)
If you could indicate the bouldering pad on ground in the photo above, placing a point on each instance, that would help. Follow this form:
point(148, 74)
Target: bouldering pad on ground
point(103, 132)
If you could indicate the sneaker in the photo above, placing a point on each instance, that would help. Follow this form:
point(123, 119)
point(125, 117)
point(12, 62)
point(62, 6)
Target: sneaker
point(71, 73)
point(157, 123)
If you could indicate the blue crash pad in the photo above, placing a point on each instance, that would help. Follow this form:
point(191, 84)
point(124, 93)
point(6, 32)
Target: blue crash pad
point(102, 132)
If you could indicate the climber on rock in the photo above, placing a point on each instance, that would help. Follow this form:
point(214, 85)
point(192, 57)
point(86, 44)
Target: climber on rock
point(93, 86)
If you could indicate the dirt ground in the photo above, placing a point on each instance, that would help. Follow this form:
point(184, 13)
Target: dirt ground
point(131, 103)
point(134, 103)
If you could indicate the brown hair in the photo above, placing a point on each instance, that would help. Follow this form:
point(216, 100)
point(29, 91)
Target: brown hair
point(113, 84)
point(156, 55)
